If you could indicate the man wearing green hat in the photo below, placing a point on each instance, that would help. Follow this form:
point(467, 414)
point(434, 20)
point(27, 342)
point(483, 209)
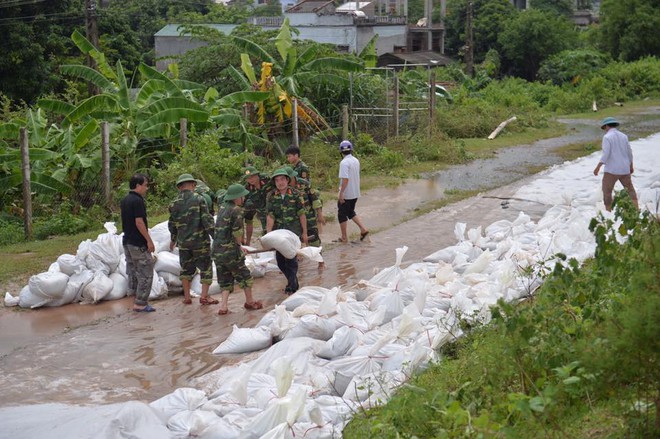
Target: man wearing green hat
point(617, 158)
point(286, 210)
point(228, 254)
point(191, 229)
point(258, 185)
point(313, 207)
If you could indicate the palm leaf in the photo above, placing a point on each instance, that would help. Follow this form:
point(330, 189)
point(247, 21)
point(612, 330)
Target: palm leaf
point(325, 64)
point(253, 49)
point(283, 41)
point(102, 104)
point(56, 106)
point(88, 74)
point(239, 77)
point(10, 130)
point(241, 97)
point(124, 100)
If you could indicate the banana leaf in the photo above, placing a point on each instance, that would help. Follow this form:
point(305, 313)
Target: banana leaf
point(56, 106)
point(10, 130)
point(102, 103)
point(88, 74)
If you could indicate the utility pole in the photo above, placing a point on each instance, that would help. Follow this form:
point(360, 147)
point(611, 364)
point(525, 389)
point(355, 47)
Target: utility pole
point(92, 33)
point(469, 42)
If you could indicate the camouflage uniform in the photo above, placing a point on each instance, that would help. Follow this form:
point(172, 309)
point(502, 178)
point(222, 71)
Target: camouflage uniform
point(227, 254)
point(191, 227)
point(286, 210)
point(303, 171)
point(255, 201)
point(312, 202)
point(206, 192)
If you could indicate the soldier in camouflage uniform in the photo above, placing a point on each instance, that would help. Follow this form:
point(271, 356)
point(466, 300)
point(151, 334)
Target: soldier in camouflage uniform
point(205, 191)
point(258, 185)
point(313, 207)
point(293, 157)
point(191, 228)
point(286, 210)
point(228, 254)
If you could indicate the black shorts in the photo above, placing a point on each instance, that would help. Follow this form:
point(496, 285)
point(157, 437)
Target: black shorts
point(346, 210)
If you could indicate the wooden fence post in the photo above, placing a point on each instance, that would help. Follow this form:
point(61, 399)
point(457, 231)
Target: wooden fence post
point(396, 105)
point(105, 157)
point(344, 126)
point(431, 103)
point(183, 132)
point(27, 189)
point(294, 113)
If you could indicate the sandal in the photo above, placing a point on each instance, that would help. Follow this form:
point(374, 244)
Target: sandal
point(208, 301)
point(222, 312)
point(253, 306)
point(147, 308)
point(338, 240)
point(187, 301)
point(363, 235)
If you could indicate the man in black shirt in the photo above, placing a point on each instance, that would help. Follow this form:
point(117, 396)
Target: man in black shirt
point(138, 246)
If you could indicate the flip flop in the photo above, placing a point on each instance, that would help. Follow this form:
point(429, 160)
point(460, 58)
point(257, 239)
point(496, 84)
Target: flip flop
point(363, 235)
point(254, 305)
point(208, 301)
point(147, 308)
point(187, 301)
point(223, 312)
point(338, 240)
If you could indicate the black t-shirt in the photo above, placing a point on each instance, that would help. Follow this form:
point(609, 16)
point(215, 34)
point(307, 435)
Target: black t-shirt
point(132, 207)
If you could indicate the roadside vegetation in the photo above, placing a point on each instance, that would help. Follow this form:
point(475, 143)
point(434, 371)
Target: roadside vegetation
point(578, 358)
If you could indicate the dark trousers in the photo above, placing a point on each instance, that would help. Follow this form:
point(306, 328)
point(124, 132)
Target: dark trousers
point(289, 267)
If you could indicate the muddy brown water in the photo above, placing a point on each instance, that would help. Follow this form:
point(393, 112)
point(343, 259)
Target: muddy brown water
point(105, 353)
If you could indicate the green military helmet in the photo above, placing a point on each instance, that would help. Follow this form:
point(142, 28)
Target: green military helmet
point(292, 172)
point(183, 178)
point(220, 195)
point(235, 191)
point(249, 171)
point(280, 171)
point(609, 121)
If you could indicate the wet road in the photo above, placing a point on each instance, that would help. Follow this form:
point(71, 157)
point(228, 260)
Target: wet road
point(89, 354)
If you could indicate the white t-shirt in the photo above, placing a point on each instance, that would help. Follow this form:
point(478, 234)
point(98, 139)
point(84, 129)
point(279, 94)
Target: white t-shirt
point(349, 168)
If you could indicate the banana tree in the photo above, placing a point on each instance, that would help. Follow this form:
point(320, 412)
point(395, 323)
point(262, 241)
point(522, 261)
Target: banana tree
point(282, 76)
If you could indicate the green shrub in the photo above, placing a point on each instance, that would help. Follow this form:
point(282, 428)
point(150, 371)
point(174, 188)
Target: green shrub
point(62, 223)
point(572, 66)
point(637, 79)
point(11, 230)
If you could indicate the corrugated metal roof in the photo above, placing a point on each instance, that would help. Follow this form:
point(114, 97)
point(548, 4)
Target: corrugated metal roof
point(172, 30)
point(309, 6)
point(352, 6)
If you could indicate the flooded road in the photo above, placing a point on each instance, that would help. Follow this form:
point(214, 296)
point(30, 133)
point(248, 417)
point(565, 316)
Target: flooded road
point(92, 354)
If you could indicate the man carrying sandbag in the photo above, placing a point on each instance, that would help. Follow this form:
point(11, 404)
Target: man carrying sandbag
point(138, 246)
point(286, 210)
point(191, 228)
point(228, 254)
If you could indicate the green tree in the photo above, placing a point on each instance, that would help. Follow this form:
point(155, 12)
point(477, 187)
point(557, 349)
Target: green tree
point(628, 29)
point(571, 66)
point(532, 36)
point(489, 19)
point(561, 7)
point(34, 40)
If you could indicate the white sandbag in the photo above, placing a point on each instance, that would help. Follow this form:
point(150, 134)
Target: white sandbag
point(341, 343)
point(182, 399)
point(107, 247)
point(167, 262)
point(390, 300)
point(279, 321)
point(305, 295)
point(191, 423)
point(44, 288)
point(313, 253)
point(284, 241)
point(313, 326)
point(243, 340)
point(97, 289)
point(480, 264)
point(69, 264)
point(77, 282)
point(121, 268)
point(119, 287)
point(96, 265)
point(26, 299)
point(173, 281)
point(220, 429)
point(347, 367)
point(391, 275)
point(158, 288)
point(161, 237)
point(11, 300)
point(54, 268)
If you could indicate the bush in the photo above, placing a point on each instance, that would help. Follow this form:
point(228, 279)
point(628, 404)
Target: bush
point(63, 223)
point(572, 66)
point(11, 230)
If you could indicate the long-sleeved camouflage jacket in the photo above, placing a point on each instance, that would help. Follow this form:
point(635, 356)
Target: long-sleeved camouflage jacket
point(303, 171)
point(256, 199)
point(190, 223)
point(286, 209)
point(228, 227)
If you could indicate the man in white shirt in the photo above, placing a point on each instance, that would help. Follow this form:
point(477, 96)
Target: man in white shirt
point(618, 160)
point(349, 191)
